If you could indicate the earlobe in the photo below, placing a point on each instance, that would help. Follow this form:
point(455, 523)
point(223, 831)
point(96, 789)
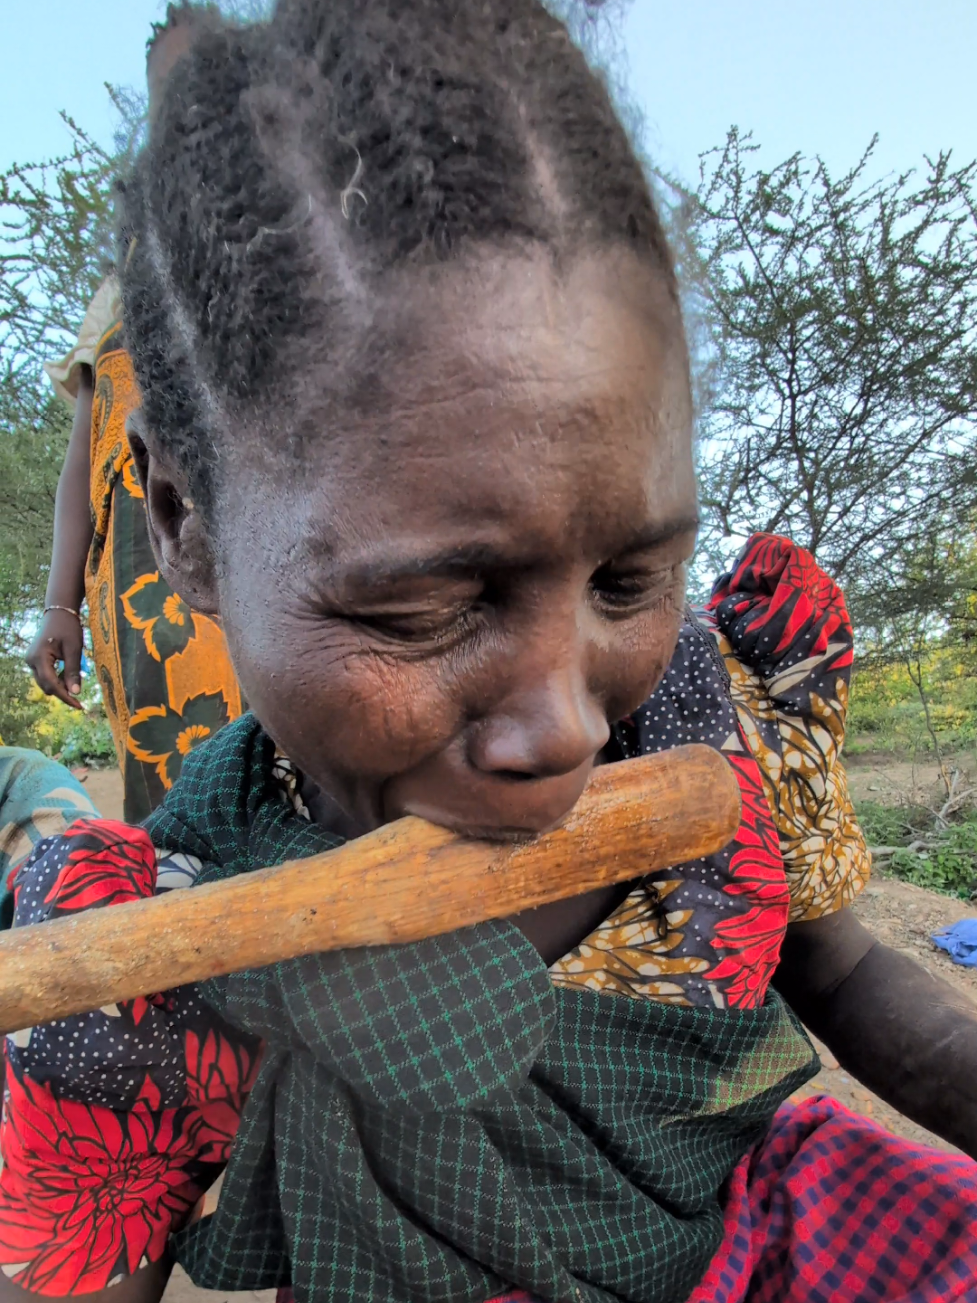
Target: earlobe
point(177, 533)
point(135, 427)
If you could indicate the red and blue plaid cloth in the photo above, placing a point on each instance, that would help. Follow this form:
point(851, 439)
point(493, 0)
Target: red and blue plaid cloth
point(831, 1208)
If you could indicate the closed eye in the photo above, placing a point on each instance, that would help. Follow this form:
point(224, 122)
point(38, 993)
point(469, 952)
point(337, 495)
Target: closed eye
point(439, 627)
point(624, 592)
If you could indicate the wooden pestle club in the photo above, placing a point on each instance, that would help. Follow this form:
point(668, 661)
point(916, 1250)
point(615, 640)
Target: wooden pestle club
point(403, 882)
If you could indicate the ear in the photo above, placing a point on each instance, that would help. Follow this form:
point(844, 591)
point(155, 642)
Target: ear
point(179, 539)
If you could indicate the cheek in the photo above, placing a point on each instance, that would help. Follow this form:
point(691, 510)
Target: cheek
point(639, 655)
point(337, 707)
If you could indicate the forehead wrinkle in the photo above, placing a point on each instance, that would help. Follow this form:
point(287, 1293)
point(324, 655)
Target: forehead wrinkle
point(375, 565)
point(432, 378)
point(501, 305)
point(453, 428)
point(451, 561)
point(340, 504)
point(478, 353)
point(501, 392)
point(433, 448)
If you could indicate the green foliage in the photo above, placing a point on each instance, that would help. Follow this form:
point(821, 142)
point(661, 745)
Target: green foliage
point(30, 462)
point(845, 320)
point(55, 245)
point(946, 863)
point(951, 867)
point(20, 711)
point(886, 714)
point(71, 736)
point(31, 454)
point(55, 241)
point(892, 825)
point(88, 740)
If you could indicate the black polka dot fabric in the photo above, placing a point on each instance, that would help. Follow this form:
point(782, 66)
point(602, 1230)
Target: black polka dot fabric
point(718, 908)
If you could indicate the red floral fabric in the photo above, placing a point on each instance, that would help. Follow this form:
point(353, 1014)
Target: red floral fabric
point(220, 1073)
point(109, 864)
point(762, 677)
point(783, 606)
point(750, 942)
point(708, 932)
point(89, 1192)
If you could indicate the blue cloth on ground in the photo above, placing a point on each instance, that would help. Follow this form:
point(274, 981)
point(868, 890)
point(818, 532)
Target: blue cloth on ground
point(959, 940)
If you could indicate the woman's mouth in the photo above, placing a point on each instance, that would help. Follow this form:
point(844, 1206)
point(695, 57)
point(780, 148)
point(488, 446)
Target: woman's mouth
point(487, 806)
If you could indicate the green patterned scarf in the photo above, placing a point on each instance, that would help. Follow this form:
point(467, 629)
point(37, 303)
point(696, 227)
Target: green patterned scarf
point(439, 1123)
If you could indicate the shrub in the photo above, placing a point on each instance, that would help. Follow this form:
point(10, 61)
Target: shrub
point(941, 859)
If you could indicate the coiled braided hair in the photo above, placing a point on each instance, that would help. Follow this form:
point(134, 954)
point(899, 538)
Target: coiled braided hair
point(293, 166)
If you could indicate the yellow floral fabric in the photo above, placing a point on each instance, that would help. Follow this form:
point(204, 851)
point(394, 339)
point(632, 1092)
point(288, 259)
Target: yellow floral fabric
point(826, 860)
point(165, 673)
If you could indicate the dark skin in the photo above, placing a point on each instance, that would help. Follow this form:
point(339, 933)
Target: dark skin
point(908, 1036)
point(444, 612)
point(59, 637)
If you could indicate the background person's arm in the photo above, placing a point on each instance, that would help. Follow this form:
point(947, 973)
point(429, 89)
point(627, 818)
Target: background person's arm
point(909, 1037)
point(60, 636)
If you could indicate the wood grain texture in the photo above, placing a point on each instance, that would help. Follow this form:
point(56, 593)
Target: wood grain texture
point(405, 881)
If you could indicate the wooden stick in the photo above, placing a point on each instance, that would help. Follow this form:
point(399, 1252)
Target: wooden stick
point(405, 881)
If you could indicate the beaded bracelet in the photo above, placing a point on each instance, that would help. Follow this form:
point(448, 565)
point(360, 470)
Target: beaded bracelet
point(70, 609)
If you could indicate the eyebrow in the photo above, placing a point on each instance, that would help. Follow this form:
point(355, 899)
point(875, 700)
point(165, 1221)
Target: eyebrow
point(452, 561)
point(480, 556)
point(658, 535)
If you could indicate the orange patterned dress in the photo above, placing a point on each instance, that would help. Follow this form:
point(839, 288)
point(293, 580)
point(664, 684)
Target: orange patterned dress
point(164, 670)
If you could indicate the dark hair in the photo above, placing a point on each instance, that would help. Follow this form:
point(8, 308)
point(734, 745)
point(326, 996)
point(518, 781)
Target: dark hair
point(294, 164)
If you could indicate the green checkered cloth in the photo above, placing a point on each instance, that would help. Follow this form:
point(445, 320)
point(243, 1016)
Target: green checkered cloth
point(437, 1123)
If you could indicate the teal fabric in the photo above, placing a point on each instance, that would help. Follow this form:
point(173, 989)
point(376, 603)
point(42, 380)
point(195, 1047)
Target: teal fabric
point(38, 799)
point(438, 1122)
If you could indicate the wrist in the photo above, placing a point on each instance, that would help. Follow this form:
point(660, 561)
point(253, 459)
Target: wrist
point(65, 590)
point(63, 608)
point(74, 601)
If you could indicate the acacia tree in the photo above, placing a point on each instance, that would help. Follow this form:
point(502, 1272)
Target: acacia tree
point(56, 244)
point(55, 226)
point(55, 232)
point(844, 319)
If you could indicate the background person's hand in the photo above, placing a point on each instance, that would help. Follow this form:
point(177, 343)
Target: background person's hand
point(60, 638)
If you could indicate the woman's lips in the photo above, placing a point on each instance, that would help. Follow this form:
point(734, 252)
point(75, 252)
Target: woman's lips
point(481, 832)
point(487, 807)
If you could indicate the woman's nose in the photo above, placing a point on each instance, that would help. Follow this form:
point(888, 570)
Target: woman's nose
point(541, 730)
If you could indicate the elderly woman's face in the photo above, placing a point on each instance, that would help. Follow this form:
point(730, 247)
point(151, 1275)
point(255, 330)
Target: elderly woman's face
point(440, 611)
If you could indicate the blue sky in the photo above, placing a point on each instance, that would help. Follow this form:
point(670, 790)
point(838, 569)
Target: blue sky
point(818, 77)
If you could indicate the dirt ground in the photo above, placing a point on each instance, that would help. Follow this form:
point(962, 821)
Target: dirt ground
point(891, 781)
point(900, 915)
point(104, 786)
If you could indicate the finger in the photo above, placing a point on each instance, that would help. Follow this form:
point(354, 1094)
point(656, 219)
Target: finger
point(69, 698)
point(49, 679)
point(43, 665)
point(63, 692)
point(71, 674)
